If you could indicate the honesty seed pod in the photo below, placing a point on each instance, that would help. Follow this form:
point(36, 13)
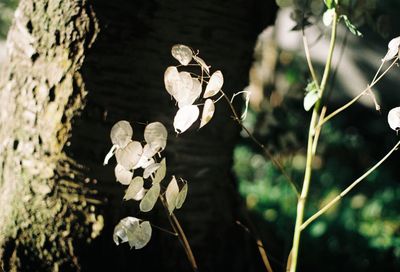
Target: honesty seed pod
point(394, 119)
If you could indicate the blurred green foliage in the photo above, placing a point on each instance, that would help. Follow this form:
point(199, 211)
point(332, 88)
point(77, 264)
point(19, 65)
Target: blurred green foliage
point(364, 227)
point(360, 233)
point(7, 8)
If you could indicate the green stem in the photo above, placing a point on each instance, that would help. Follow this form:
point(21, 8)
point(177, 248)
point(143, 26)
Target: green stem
point(348, 189)
point(308, 58)
point(310, 142)
point(351, 102)
point(303, 196)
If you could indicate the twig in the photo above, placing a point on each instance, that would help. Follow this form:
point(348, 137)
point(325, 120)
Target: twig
point(236, 94)
point(308, 58)
point(335, 70)
point(348, 189)
point(181, 235)
point(318, 130)
point(379, 69)
point(260, 246)
point(164, 230)
point(254, 139)
point(185, 242)
point(351, 102)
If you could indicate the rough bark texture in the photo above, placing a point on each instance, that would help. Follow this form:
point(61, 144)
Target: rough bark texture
point(43, 206)
point(59, 101)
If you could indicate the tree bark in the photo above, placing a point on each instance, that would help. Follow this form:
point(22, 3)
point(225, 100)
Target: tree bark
point(74, 69)
point(44, 208)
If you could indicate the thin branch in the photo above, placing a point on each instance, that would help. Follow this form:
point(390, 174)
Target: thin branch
point(260, 246)
point(328, 94)
point(348, 189)
point(308, 58)
point(275, 162)
point(218, 99)
point(327, 69)
point(164, 230)
point(236, 94)
point(351, 102)
point(335, 70)
point(377, 72)
point(318, 130)
point(185, 242)
point(263, 254)
point(181, 235)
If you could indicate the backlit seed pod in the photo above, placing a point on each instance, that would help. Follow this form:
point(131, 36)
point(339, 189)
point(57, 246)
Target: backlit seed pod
point(394, 118)
point(121, 133)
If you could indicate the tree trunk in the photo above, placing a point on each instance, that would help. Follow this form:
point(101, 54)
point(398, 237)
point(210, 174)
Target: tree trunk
point(58, 101)
point(44, 207)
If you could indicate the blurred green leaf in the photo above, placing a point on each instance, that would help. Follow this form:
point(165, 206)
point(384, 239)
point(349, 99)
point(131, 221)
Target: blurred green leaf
point(329, 3)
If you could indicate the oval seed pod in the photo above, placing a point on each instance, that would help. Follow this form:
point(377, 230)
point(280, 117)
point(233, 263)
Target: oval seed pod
point(150, 198)
point(130, 230)
point(180, 199)
point(394, 118)
point(123, 175)
point(183, 87)
point(393, 49)
point(160, 174)
point(171, 194)
point(129, 156)
point(142, 235)
point(182, 53)
point(185, 117)
point(128, 224)
point(214, 85)
point(135, 186)
point(171, 80)
point(191, 95)
point(121, 133)
point(155, 134)
point(151, 169)
point(208, 112)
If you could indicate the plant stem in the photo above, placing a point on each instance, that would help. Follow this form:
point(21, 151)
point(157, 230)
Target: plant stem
point(379, 69)
point(165, 230)
point(348, 189)
point(185, 242)
point(351, 102)
point(310, 142)
point(318, 130)
point(304, 192)
point(308, 58)
point(263, 254)
point(176, 226)
point(328, 93)
point(275, 162)
point(260, 245)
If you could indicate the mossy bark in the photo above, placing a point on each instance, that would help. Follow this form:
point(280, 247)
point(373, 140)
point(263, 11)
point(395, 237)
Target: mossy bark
point(76, 67)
